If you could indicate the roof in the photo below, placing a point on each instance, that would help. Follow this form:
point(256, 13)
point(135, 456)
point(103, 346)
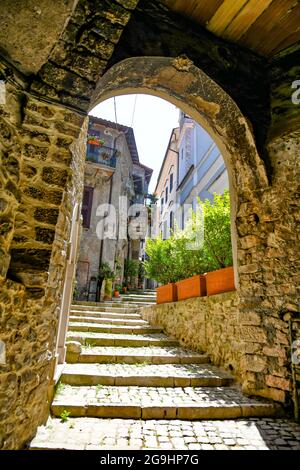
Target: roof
point(266, 26)
point(130, 139)
point(128, 131)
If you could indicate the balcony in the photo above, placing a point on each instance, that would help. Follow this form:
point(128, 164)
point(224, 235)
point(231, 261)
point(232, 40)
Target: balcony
point(101, 155)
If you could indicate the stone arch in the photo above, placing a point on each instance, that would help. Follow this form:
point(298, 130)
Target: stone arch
point(183, 84)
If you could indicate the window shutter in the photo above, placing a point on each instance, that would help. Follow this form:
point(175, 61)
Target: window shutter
point(87, 206)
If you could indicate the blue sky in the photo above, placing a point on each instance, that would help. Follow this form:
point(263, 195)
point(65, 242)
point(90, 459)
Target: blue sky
point(152, 120)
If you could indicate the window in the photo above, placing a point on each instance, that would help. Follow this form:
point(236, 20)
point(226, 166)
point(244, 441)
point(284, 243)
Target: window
point(182, 220)
point(161, 204)
point(171, 220)
point(87, 206)
point(166, 195)
point(165, 229)
point(171, 182)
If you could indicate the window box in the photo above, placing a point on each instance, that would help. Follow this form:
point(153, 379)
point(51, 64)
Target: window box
point(167, 293)
point(194, 286)
point(220, 281)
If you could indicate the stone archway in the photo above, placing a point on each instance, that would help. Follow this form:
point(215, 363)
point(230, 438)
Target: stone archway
point(45, 156)
point(183, 84)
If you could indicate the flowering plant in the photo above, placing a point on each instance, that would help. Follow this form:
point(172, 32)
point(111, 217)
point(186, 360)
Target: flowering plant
point(95, 140)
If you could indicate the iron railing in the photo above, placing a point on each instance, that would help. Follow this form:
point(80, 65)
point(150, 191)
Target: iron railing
point(102, 155)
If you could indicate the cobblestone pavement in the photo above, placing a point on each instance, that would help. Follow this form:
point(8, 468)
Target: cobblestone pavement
point(153, 396)
point(134, 395)
point(100, 434)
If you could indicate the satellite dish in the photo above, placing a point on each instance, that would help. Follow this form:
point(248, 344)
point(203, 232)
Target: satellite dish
point(107, 132)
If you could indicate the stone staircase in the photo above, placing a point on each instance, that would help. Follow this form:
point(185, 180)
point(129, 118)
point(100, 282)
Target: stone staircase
point(119, 366)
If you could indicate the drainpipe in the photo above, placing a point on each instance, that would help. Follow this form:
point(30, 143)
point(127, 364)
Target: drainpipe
point(292, 317)
point(99, 283)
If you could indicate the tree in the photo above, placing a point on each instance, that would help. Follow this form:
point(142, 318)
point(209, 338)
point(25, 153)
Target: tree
point(176, 258)
point(130, 271)
point(217, 233)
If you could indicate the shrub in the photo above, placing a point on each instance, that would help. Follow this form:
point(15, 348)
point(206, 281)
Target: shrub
point(130, 271)
point(173, 259)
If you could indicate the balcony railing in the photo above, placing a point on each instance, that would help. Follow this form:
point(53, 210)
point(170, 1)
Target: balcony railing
point(101, 155)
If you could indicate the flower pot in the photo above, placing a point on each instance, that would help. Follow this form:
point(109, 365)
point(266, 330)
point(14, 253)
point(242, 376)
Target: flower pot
point(220, 281)
point(93, 142)
point(194, 286)
point(124, 290)
point(167, 293)
point(116, 293)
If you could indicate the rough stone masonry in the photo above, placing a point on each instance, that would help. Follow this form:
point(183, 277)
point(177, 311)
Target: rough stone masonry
point(48, 89)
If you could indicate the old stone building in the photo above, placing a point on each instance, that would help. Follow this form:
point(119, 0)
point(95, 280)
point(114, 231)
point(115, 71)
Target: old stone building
point(237, 75)
point(192, 168)
point(165, 190)
point(114, 180)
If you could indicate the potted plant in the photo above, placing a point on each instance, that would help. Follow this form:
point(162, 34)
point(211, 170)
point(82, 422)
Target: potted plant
point(217, 246)
point(161, 266)
point(106, 273)
point(93, 139)
point(117, 290)
point(194, 286)
point(130, 272)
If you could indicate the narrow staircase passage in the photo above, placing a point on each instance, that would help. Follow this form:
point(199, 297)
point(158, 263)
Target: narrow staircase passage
point(121, 369)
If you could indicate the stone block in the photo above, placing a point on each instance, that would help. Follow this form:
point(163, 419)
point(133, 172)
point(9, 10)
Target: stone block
point(249, 241)
point(253, 334)
point(254, 363)
point(249, 318)
point(56, 176)
point(74, 347)
point(278, 382)
point(272, 394)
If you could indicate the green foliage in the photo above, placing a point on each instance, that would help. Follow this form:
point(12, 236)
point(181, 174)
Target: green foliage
point(131, 268)
point(217, 246)
point(108, 288)
point(64, 416)
point(176, 258)
point(105, 271)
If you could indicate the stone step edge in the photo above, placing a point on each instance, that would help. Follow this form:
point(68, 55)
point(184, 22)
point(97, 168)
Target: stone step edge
point(77, 379)
point(183, 412)
point(134, 342)
point(79, 313)
point(109, 321)
point(114, 329)
point(88, 357)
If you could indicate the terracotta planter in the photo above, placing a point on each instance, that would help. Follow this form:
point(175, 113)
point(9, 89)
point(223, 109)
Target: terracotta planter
point(94, 142)
point(116, 293)
point(220, 281)
point(124, 290)
point(167, 293)
point(194, 286)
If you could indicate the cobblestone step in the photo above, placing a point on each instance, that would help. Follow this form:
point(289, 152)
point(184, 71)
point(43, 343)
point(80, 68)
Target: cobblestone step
point(116, 329)
point(154, 355)
point(110, 321)
point(192, 403)
point(129, 434)
point(109, 339)
point(146, 375)
point(112, 315)
point(104, 308)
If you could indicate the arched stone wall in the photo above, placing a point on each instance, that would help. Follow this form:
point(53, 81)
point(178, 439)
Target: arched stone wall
point(180, 82)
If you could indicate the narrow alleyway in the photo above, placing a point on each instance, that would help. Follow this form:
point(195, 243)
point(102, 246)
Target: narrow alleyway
point(128, 386)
